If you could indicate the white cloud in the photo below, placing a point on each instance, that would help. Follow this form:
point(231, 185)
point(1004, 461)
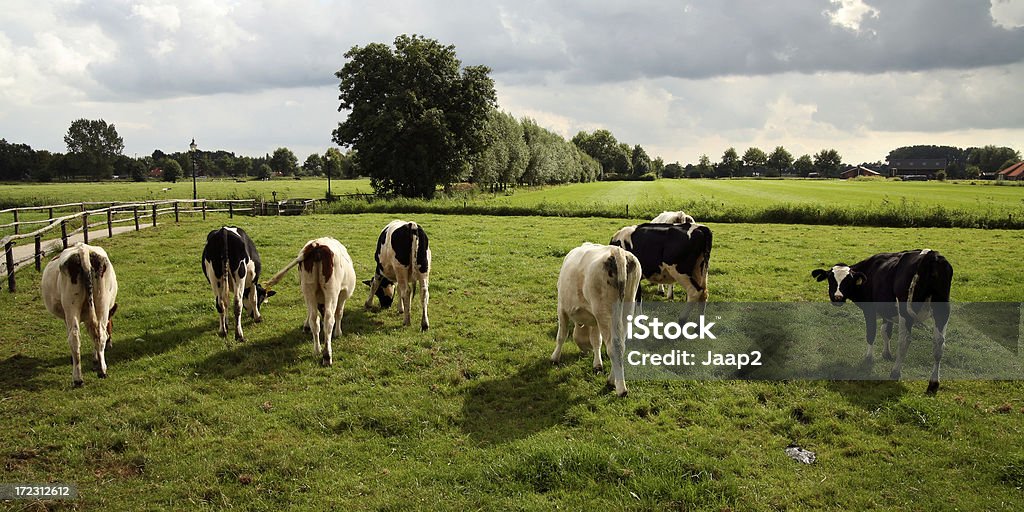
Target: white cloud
point(1008, 14)
point(850, 13)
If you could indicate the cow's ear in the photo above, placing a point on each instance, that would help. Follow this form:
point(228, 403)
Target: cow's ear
point(368, 282)
point(271, 293)
point(859, 278)
point(819, 274)
point(112, 311)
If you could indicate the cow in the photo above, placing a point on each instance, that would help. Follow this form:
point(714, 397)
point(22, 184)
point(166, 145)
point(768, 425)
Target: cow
point(596, 287)
point(679, 217)
point(671, 253)
point(80, 285)
point(403, 258)
point(899, 287)
point(231, 265)
point(327, 278)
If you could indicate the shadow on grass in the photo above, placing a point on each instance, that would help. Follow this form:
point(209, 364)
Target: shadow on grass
point(868, 394)
point(505, 409)
point(154, 343)
point(20, 371)
point(278, 354)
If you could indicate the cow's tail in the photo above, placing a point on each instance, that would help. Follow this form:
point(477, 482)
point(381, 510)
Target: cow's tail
point(280, 275)
point(938, 273)
point(627, 282)
point(703, 259)
point(79, 268)
point(418, 254)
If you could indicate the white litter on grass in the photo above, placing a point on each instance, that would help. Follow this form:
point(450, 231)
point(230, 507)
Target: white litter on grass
point(799, 454)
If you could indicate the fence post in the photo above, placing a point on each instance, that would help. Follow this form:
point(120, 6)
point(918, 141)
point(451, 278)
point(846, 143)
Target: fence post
point(51, 213)
point(39, 251)
point(110, 223)
point(176, 212)
point(9, 252)
point(627, 209)
point(204, 209)
point(253, 207)
point(85, 227)
point(154, 215)
point(64, 233)
point(231, 210)
point(135, 212)
point(15, 222)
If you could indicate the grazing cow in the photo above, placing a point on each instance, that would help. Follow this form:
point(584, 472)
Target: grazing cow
point(671, 253)
point(80, 285)
point(679, 217)
point(403, 258)
point(596, 287)
point(327, 278)
point(231, 265)
point(902, 287)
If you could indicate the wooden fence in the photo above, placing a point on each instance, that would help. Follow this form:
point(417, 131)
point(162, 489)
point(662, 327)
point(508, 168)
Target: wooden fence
point(85, 220)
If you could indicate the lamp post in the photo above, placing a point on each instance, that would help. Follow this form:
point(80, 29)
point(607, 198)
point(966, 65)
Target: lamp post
point(192, 151)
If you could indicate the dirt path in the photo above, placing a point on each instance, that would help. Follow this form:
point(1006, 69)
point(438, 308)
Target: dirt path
point(26, 248)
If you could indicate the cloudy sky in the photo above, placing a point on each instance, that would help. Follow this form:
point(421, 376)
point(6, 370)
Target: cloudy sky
point(681, 78)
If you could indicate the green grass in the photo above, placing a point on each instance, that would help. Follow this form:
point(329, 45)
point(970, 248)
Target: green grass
point(471, 415)
point(38, 194)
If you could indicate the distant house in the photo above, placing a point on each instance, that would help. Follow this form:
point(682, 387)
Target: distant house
point(854, 171)
point(1014, 172)
point(927, 167)
point(156, 172)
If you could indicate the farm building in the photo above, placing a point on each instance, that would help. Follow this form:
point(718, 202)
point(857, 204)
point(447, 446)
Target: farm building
point(1014, 172)
point(854, 171)
point(927, 167)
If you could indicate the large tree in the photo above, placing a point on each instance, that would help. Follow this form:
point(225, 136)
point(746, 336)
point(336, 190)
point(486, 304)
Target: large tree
point(828, 163)
point(93, 146)
point(284, 161)
point(730, 164)
point(415, 115)
point(754, 158)
point(779, 161)
point(639, 161)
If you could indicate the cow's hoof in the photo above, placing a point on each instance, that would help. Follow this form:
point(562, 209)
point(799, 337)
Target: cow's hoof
point(223, 334)
point(933, 387)
point(622, 393)
point(76, 383)
point(257, 320)
point(239, 339)
point(325, 360)
point(305, 328)
point(599, 370)
point(895, 375)
point(424, 326)
point(887, 356)
point(101, 375)
point(109, 345)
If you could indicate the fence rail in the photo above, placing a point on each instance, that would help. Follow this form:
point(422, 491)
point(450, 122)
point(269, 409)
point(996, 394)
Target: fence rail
point(84, 220)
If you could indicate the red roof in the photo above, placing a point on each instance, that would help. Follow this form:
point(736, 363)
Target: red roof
point(1013, 171)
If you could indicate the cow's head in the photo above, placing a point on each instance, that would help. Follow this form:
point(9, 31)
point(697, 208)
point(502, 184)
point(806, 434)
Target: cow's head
point(623, 238)
point(843, 282)
point(385, 290)
point(261, 297)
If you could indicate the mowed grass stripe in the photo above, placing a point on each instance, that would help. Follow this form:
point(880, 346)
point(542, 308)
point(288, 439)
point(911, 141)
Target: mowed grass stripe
point(471, 414)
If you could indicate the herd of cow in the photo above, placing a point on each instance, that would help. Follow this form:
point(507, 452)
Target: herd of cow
point(597, 287)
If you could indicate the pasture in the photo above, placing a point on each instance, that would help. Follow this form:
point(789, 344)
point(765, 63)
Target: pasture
point(471, 414)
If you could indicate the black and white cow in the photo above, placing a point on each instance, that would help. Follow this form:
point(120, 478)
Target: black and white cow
point(595, 288)
point(900, 287)
point(403, 258)
point(80, 285)
point(231, 265)
point(671, 253)
point(677, 217)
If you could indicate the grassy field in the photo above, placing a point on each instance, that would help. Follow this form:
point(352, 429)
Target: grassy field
point(471, 415)
point(36, 194)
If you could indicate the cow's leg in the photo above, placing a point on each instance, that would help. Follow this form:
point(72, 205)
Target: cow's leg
point(594, 333)
point(330, 309)
point(940, 313)
point(220, 303)
point(239, 291)
point(313, 321)
point(374, 284)
point(886, 336)
point(871, 330)
point(905, 327)
point(405, 300)
point(99, 334)
point(339, 312)
point(75, 343)
point(424, 299)
point(616, 346)
point(563, 330)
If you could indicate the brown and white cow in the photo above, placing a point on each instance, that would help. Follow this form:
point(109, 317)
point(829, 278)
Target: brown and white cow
point(900, 288)
point(327, 278)
point(403, 258)
point(596, 288)
point(80, 285)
